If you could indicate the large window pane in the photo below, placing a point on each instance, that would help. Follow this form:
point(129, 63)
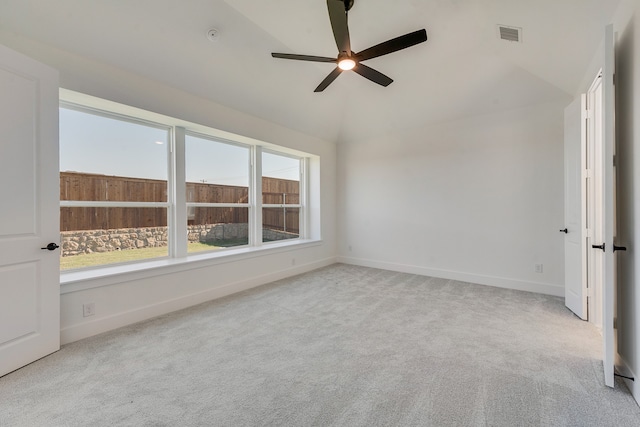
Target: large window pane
point(216, 172)
point(104, 158)
point(215, 228)
point(93, 236)
point(108, 159)
point(280, 186)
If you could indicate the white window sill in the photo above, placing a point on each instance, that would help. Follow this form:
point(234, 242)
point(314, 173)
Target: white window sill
point(74, 281)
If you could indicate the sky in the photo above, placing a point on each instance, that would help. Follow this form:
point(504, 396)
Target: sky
point(91, 143)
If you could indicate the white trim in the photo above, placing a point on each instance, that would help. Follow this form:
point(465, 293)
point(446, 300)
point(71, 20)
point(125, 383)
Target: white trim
point(255, 196)
point(179, 216)
point(625, 370)
point(108, 114)
point(105, 204)
point(303, 227)
point(217, 205)
point(99, 325)
point(499, 282)
point(212, 138)
point(74, 281)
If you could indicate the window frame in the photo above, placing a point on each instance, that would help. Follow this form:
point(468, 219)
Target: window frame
point(247, 205)
point(126, 204)
point(302, 201)
point(176, 203)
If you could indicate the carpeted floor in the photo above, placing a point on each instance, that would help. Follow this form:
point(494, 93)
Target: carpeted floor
point(340, 346)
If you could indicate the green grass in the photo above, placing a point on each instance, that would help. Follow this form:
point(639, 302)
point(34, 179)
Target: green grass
point(91, 260)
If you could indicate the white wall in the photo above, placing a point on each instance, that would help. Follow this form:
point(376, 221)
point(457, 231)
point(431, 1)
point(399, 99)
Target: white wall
point(134, 297)
point(478, 199)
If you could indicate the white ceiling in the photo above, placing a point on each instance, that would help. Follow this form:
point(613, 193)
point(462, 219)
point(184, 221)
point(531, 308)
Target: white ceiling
point(463, 69)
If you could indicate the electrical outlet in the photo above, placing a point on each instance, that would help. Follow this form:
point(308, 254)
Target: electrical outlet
point(89, 309)
point(293, 261)
point(538, 268)
point(350, 248)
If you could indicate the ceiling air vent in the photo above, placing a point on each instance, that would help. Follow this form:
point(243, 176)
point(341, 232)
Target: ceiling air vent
point(512, 34)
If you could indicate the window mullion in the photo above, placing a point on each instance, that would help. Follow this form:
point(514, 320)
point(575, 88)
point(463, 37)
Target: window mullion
point(111, 204)
point(218, 205)
point(256, 197)
point(179, 206)
point(304, 199)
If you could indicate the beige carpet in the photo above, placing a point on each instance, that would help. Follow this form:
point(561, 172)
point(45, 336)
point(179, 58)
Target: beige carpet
point(340, 346)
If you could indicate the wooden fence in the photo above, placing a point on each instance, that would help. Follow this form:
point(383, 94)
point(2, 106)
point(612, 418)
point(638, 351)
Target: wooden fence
point(93, 187)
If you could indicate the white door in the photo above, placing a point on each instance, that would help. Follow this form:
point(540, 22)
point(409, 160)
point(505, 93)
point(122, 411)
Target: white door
point(575, 280)
point(608, 137)
point(595, 197)
point(29, 213)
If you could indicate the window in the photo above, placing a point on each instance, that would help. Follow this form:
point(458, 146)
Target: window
point(217, 186)
point(113, 189)
point(134, 189)
point(280, 197)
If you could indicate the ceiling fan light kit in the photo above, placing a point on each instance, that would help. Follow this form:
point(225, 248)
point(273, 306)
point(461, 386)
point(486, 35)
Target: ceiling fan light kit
point(346, 64)
point(348, 59)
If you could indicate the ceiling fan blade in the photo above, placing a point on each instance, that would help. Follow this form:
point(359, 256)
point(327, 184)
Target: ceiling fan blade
point(328, 80)
point(338, 18)
point(373, 75)
point(303, 57)
point(393, 45)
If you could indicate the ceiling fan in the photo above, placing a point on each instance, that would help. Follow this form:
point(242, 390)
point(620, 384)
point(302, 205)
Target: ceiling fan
point(347, 59)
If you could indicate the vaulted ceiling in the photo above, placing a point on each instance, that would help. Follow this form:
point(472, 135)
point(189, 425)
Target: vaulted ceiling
point(463, 69)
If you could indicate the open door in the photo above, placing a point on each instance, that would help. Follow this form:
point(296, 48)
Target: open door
point(609, 187)
point(29, 211)
point(575, 280)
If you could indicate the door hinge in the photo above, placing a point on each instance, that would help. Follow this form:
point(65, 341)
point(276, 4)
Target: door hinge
point(589, 114)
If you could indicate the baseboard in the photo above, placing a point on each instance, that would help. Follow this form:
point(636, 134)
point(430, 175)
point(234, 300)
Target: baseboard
point(500, 282)
point(623, 368)
point(87, 329)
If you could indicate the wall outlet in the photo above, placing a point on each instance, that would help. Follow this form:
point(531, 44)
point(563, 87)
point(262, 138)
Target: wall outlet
point(293, 261)
point(538, 268)
point(350, 248)
point(89, 309)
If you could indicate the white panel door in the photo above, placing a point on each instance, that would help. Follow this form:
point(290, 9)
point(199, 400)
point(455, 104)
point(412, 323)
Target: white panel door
point(575, 283)
point(608, 138)
point(29, 212)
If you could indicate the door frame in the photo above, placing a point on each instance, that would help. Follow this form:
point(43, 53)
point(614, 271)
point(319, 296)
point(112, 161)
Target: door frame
point(594, 203)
